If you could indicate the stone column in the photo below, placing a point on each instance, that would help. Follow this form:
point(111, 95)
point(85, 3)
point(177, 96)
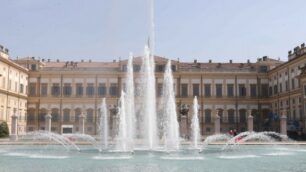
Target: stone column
point(217, 123)
point(250, 121)
point(82, 123)
point(183, 126)
point(283, 124)
point(14, 123)
point(48, 118)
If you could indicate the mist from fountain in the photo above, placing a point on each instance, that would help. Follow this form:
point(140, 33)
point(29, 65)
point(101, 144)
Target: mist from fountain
point(122, 139)
point(130, 103)
point(148, 111)
point(47, 136)
point(216, 138)
point(195, 127)
point(171, 126)
point(103, 125)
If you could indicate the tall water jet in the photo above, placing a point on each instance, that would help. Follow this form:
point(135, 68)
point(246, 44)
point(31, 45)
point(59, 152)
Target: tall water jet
point(122, 144)
point(195, 128)
point(130, 103)
point(103, 125)
point(149, 100)
point(171, 128)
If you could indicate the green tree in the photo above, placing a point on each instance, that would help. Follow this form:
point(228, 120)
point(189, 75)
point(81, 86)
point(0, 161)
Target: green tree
point(4, 130)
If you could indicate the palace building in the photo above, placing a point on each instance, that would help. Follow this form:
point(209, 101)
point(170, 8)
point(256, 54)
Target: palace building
point(265, 89)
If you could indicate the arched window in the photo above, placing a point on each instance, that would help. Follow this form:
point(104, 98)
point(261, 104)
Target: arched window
point(220, 113)
point(231, 116)
point(207, 116)
point(31, 115)
point(42, 114)
point(242, 115)
point(89, 116)
point(77, 114)
point(66, 115)
point(55, 115)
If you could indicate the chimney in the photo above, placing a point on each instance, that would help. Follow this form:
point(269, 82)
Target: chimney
point(82, 60)
point(230, 61)
point(264, 58)
point(89, 60)
point(57, 60)
point(209, 61)
point(195, 61)
point(248, 61)
point(42, 60)
point(48, 60)
point(114, 61)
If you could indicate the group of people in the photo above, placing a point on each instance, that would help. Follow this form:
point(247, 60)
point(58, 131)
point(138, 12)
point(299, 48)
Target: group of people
point(233, 132)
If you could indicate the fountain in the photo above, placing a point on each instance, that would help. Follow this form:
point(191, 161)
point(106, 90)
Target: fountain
point(171, 127)
point(195, 127)
point(103, 125)
point(129, 103)
point(122, 138)
point(149, 125)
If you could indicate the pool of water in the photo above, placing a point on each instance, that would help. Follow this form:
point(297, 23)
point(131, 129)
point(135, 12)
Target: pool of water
point(249, 158)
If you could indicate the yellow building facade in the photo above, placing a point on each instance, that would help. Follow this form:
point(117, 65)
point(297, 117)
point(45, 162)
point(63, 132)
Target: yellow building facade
point(13, 91)
point(265, 89)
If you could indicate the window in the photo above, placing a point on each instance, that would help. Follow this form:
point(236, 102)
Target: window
point(89, 117)
point(10, 85)
point(136, 68)
point(280, 87)
point(16, 85)
point(32, 89)
point(293, 83)
point(287, 85)
point(184, 90)
point(113, 90)
point(253, 90)
point(55, 115)
point(242, 114)
point(263, 69)
point(42, 115)
point(196, 90)
point(66, 115)
point(230, 90)
point(67, 89)
point(207, 90)
point(102, 90)
point(77, 115)
point(275, 89)
point(33, 67)
point(270, 91)
point(21, 87)
point(90, 90)
point(55, 90)
point(219, 90)
point(160, 68)
point(207, 116)
point(44, 89)
point(231, 116)
point(242, 90)
point(304, 90)
point(79, 89)
point(159, 90)
point(264, 90)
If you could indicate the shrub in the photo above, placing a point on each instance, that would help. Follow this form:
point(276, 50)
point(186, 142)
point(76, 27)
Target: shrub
point(4, 131)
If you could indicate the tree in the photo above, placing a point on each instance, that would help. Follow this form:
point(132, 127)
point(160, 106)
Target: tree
point(4, 130)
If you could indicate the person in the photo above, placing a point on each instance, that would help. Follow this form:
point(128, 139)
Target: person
point(235, 132)
point(231, 132)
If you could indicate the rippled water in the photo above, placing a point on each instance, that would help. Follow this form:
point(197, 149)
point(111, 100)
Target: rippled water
point(213, 158)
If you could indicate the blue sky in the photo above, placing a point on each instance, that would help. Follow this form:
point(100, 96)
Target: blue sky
point(104, 30)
